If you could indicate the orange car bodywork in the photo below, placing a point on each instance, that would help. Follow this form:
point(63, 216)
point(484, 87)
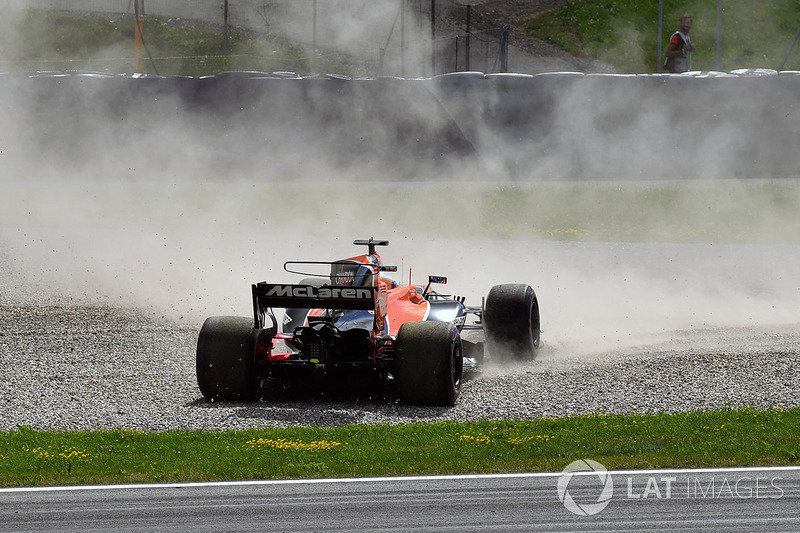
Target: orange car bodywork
point(396, 304)
point(406, 304)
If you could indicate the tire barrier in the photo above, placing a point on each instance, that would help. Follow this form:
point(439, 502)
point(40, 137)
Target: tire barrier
point(513, 126)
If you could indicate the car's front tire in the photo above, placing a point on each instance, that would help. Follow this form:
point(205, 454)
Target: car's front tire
point(511, 322)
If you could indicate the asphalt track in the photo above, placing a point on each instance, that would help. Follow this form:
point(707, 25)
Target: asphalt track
point(743, 499)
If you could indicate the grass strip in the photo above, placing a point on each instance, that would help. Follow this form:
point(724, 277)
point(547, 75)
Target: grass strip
point(63, 40)
point(624, 33)
point(695, 211)
point(742, 437)
point(703, 211)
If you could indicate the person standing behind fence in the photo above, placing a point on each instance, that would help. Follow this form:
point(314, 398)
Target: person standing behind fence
point(680, 48)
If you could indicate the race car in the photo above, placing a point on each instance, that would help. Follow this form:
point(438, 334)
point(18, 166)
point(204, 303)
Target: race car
point(350, 321)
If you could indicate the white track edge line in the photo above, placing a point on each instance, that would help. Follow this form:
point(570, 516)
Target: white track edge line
point(265, 482)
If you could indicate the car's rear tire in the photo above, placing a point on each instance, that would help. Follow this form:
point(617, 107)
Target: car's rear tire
point(428, 363)
point(226, 359)
point(511, 322)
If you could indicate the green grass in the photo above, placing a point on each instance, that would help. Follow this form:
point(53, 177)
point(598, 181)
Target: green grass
point(708, 211)
point(732, 211)
point(58, 40)
point(710, 439)
point(715, 211)
point(624, 33)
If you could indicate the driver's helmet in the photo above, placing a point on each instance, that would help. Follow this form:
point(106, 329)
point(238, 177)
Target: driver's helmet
point(386, 278)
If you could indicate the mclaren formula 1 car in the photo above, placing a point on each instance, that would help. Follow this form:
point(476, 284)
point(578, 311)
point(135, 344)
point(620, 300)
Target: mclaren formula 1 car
point(350, 320)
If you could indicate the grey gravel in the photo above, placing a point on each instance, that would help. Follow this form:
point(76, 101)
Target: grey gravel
point(75, 366)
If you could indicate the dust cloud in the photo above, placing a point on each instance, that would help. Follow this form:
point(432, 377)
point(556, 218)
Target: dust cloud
point(362, 30)
point(186, 250)
point(172, 196)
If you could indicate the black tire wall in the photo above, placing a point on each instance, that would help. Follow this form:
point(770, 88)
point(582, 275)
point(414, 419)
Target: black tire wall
point(558, 125)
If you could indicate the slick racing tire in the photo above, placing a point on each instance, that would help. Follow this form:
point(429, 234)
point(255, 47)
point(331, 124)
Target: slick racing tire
point(226, 359)
point(428, 363)
point(511, 322)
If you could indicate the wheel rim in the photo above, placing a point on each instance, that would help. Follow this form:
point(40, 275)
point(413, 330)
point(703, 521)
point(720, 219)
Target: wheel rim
point(457, 368)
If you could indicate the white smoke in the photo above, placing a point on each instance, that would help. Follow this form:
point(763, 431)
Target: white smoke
point(169, 206)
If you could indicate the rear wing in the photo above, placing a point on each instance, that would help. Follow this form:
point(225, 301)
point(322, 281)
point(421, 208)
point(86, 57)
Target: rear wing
point(354, 285)
point(309, 297)
point(287, 296)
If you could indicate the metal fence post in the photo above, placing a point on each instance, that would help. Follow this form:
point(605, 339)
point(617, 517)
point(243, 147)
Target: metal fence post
point(503, 52)
point(225, 22)
point(789, 50)
point(403, 38)
point(718, 62)
point(138, 8)
point(466, 44)
point(660, 34)
point(433, 37)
